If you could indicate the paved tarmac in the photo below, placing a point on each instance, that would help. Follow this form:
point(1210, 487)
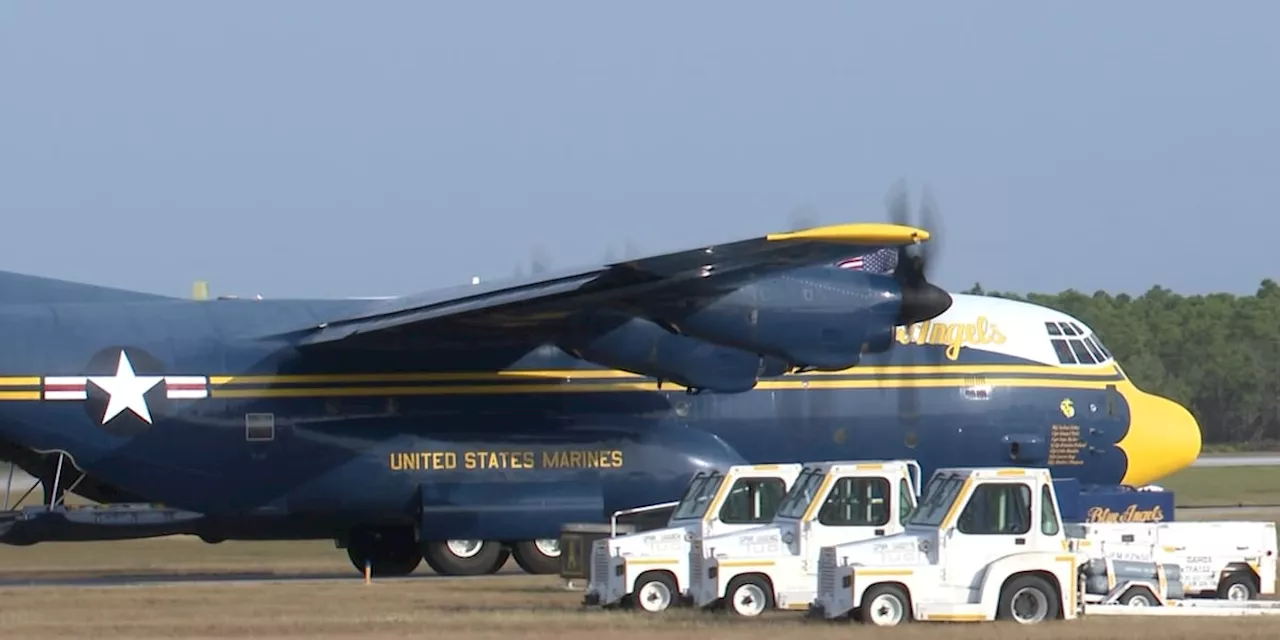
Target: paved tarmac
point(1260, 460)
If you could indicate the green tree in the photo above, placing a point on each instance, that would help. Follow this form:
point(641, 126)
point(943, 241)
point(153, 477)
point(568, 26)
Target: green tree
point(1218, 354)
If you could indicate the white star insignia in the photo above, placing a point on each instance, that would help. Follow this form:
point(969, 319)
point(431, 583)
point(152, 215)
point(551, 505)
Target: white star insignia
point(126, 390)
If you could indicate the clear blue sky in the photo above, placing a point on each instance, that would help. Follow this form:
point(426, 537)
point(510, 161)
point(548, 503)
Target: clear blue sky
point(348, 148)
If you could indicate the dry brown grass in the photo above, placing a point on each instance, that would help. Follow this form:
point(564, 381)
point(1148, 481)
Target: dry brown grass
point(177, 555)
point(493, 607)
point(503, 607)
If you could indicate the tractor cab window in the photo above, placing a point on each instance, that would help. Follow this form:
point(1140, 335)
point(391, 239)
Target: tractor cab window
point(698, 497)
point(908, 502)
point(938, 496)
point(1048, 515)
point(998, 508)
point(857, 502)
point(802, 494)
point(753, 501)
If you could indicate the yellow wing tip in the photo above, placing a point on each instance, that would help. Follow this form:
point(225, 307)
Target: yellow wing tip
point(857, 233)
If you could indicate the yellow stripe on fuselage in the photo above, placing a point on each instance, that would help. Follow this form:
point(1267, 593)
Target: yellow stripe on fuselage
point(560, 381)
point(648, 386)
point(584, 375)
point(19, 381)
point(8, 384)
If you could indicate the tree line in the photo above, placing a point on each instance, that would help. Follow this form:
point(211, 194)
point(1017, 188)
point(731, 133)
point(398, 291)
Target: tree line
point(1217, 354)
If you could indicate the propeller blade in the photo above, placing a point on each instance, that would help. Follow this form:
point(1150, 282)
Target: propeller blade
point(899, 203)
point(802, 217)
point(931, 222)
point(539, 260)
point(920, 298)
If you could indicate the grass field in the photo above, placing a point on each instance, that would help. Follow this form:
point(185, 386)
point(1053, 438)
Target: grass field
point(1225, 485)
point(491, 607)
point(530, 607)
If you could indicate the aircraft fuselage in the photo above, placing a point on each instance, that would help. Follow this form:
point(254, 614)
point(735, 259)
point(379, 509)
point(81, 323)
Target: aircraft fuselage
point(507, 443)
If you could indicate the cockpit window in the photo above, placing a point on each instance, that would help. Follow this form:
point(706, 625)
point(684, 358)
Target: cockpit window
point(1064, 352)
point(1097, 342)
point(1093, 350)
point(1073, 344)
point(1082, 352)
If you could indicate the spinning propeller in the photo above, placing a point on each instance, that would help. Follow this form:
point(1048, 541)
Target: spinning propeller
point(921, 300)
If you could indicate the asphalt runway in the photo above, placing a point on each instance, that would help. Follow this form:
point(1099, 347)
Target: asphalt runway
point(1262, 460)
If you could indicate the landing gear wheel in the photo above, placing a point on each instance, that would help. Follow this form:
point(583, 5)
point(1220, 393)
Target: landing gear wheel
point(391, 551)
point(749, 596)
point(1028, 600)
point(655, 592)
point(1238, 587)
point(885, 605)
point(464, 557)
point(538, 557)
point(503, 556)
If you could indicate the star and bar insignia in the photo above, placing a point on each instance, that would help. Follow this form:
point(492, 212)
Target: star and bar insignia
point(125, 389)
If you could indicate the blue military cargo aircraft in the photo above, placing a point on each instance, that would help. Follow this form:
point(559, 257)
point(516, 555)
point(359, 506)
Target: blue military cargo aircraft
point(465, 426)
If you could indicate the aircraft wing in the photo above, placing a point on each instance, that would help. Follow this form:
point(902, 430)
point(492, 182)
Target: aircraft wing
point(692, 276)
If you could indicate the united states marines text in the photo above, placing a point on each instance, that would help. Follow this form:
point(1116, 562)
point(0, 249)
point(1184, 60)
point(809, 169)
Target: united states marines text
point(479, 460)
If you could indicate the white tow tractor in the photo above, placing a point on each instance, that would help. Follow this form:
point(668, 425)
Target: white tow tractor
point(775, 566)
point(650, 569)
point(987, 544)
point(1227, 560)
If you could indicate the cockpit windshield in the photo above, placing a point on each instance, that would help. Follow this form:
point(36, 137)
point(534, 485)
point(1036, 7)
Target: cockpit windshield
point(699, 495)
point(938, 497)
point(802, 494)
point(1076, 344)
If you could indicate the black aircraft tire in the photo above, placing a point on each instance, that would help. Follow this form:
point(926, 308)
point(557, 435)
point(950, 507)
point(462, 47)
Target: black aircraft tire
point(445, 562)
point(391, 553)
point(533, 560)
point(502, 560)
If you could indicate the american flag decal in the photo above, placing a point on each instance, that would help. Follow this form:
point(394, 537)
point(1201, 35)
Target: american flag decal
point(176, 387)
point(881, 261)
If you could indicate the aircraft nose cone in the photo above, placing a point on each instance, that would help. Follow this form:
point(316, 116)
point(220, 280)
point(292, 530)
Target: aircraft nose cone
point(1163, 438)
point(922, 302)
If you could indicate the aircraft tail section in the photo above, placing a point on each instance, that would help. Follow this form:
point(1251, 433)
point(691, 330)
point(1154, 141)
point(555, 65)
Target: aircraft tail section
point(18, 288)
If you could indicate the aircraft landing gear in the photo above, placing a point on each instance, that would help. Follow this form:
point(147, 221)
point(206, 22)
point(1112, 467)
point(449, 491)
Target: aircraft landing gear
point(392, 551)
point(538, 557)
point(465, 557)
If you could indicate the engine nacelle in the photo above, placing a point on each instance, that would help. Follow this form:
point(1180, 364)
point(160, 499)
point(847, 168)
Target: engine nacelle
point(881, 339)
point(640, 346)
point(820, 319)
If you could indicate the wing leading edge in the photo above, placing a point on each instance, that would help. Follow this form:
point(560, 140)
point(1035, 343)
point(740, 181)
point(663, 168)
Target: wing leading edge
point(692, 277)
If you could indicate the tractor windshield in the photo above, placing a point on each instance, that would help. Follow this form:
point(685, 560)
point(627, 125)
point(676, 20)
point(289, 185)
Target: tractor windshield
point(802, 494)
point(698, 496)
point(936, 501)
